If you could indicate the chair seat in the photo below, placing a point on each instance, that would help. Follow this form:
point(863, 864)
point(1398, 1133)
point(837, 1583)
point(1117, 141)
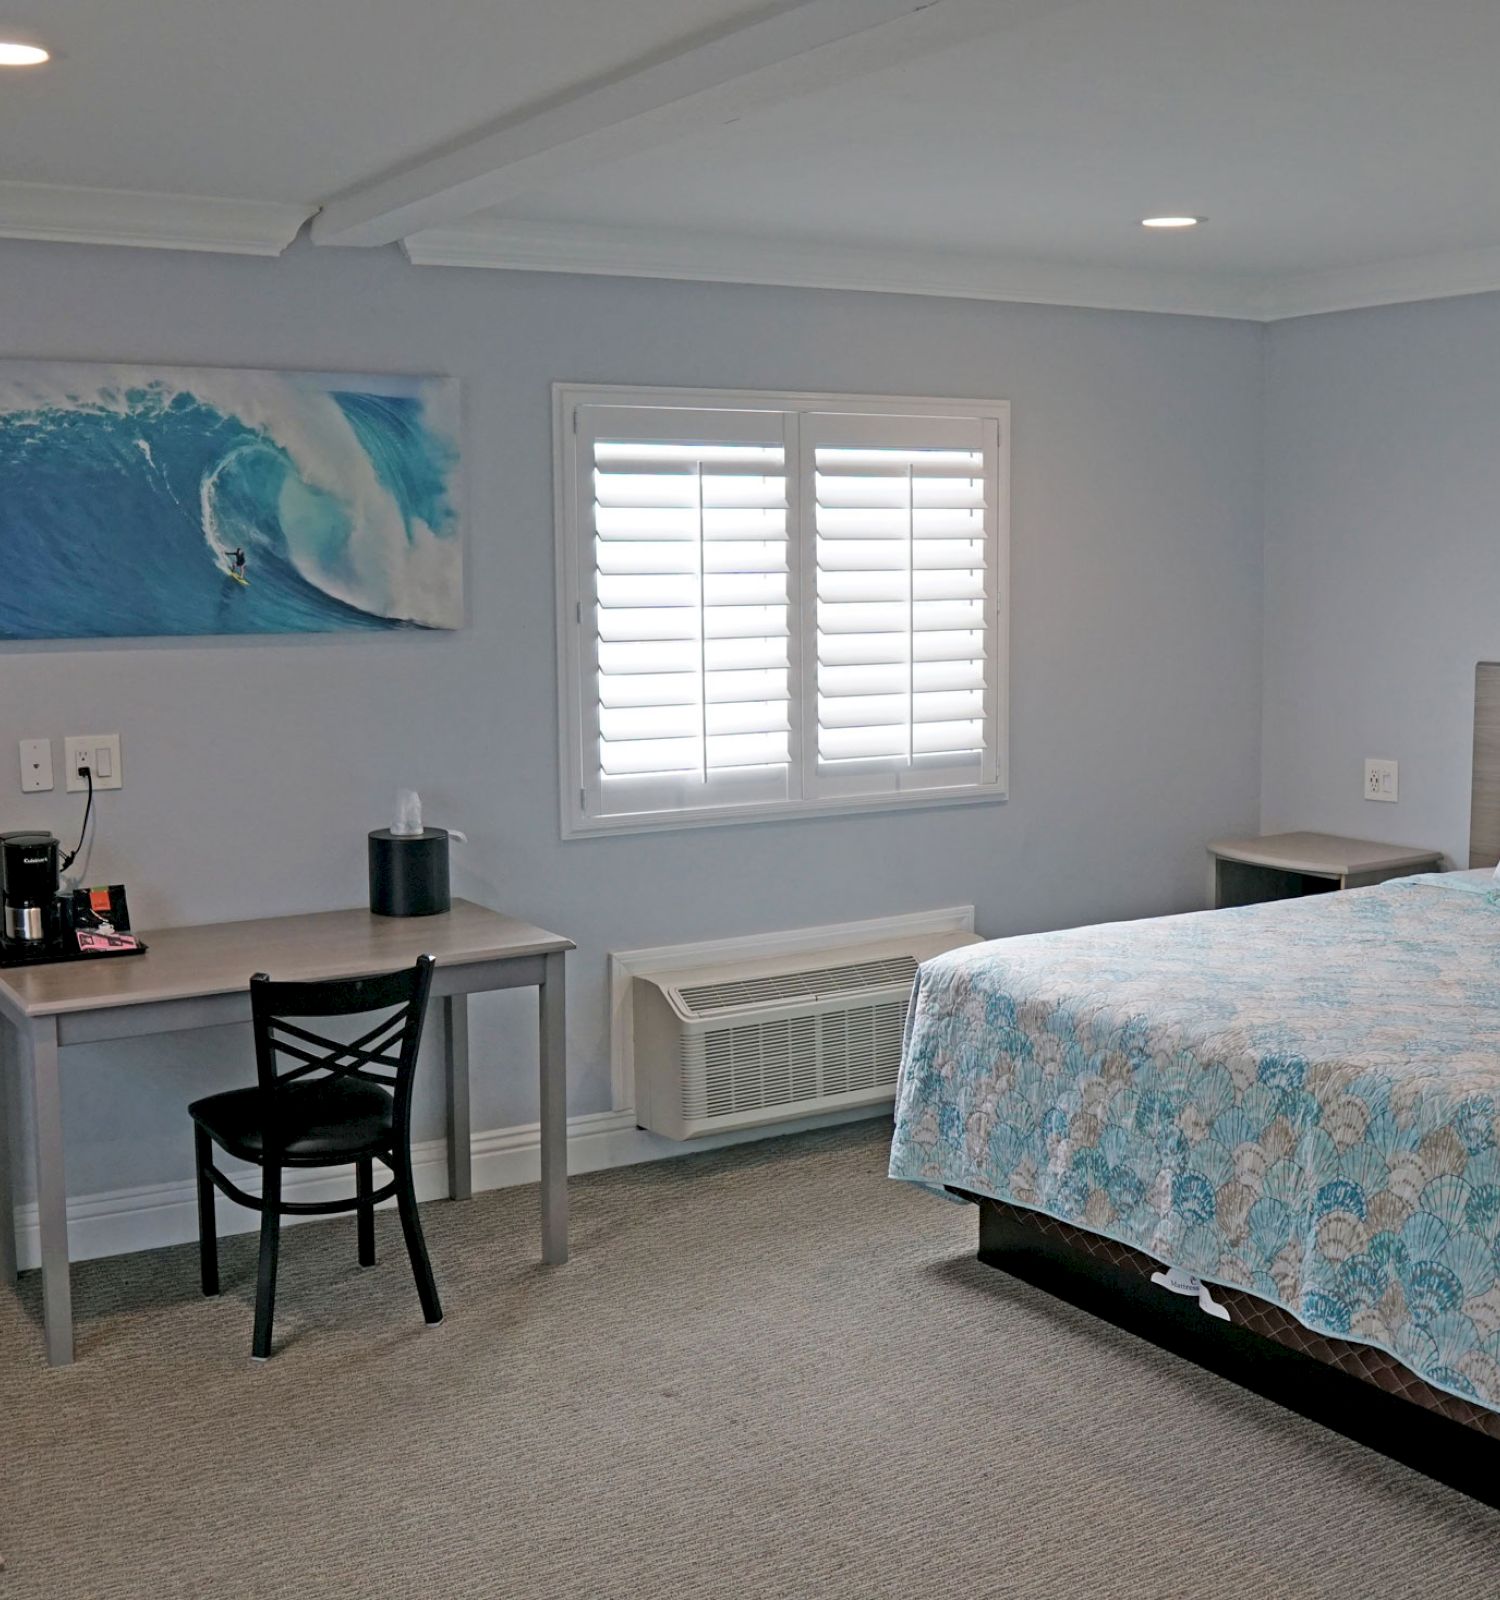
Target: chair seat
point(323, 1119)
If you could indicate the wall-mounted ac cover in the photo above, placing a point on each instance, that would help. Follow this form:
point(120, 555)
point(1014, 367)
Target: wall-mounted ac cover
point(767, 1041)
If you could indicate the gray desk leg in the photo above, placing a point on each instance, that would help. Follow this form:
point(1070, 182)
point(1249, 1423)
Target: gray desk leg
point(7, 1162)
point(456, 1064)
point(554, 1061)
point(39, 1062)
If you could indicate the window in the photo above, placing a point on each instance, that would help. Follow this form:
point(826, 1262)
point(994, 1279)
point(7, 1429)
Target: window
point(777, 604)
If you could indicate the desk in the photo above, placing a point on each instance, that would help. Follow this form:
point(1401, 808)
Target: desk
point(199, 978)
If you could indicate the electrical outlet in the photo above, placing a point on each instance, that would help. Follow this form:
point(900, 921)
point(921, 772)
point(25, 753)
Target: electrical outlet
point(99, 752)
point(36, 765)
point(1380, 780)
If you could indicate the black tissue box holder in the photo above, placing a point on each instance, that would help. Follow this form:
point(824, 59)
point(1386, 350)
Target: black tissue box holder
point(409, 873)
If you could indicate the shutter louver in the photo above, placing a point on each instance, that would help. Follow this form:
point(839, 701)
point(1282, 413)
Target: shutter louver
point(693, 618)
point(903, 602)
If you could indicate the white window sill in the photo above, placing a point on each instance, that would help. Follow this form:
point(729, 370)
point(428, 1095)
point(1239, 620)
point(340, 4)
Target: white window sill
point(579, 826)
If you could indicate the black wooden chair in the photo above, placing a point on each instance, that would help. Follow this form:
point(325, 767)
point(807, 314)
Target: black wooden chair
point(336, 1103)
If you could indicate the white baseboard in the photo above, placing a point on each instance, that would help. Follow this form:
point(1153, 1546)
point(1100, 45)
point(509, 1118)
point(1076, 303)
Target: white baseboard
point(158, 1214)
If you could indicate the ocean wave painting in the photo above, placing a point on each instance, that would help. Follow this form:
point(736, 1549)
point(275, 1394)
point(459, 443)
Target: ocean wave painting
point(142, 500)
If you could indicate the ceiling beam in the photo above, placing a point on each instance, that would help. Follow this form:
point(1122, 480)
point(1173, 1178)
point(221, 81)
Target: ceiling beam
point(794, 51)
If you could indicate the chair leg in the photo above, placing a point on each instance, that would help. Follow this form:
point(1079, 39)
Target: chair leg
point(416, 1245)
point(364, 1188)
point(208, 1228)
point(270, 1242)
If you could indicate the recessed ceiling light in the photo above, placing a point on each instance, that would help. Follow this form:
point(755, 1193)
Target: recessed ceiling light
point(14, 54)
point(1172, 222)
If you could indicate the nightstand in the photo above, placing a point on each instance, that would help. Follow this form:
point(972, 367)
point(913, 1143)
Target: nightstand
point(1281, 866)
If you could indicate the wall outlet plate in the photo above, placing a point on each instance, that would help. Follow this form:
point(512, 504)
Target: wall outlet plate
point(99, 752)
point(36, 765)
point(1381, 779)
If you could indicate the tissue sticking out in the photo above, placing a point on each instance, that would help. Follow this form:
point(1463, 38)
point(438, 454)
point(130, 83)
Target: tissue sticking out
point(408, 812)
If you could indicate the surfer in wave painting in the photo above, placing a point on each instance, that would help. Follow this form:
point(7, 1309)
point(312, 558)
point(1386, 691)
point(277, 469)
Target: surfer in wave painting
point(341, 491)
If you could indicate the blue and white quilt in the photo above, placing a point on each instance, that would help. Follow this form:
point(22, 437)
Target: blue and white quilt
point(1301, 1100)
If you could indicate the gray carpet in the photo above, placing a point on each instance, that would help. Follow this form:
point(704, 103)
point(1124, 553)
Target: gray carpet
point(765, 1372)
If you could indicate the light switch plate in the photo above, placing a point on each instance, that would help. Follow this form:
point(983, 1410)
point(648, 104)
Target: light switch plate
point(36, 765)
point(99, 752)
point(1381, 779)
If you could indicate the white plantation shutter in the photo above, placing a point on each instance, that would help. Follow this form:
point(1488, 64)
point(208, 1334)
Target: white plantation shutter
point(905, 584)
point(689, 578)
point(778, 603)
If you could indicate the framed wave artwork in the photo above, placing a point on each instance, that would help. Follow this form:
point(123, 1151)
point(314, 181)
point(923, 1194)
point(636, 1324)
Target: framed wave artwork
point(201, 500)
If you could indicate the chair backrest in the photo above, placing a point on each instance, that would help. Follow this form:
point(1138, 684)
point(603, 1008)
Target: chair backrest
point(386, 1053)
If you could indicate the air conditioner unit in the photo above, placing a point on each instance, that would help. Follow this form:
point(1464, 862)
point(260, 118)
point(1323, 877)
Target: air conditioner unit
point(767, 1041)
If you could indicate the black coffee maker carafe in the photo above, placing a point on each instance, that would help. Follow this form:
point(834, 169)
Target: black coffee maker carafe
point(29, 872)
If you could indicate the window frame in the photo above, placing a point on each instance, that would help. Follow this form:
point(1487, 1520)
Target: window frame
point(573, 589)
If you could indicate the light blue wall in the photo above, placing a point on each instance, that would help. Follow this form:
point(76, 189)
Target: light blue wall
point(1382, 498)
point(254, 768)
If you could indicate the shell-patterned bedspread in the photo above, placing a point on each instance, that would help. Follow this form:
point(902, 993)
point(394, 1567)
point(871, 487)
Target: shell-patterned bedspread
point(1297, 1099)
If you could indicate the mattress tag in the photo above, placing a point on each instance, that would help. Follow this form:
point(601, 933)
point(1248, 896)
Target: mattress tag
point(1176, 1281)
point(1209, 1306)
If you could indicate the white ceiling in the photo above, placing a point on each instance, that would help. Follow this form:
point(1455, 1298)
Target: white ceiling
point(1324, 139)
point(1312, 133)
point(294, 100)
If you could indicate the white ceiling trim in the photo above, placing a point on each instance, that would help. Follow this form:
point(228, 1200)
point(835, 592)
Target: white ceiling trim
point(155, 221)
point(1439, 277)
point(794, 51)
point(723, 258)
point(265, 228)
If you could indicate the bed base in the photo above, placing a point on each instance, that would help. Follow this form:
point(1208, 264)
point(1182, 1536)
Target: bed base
point(1444, 1438)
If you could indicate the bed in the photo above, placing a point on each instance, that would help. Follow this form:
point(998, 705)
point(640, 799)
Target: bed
point(1297, 1104)
point(1287, 1113)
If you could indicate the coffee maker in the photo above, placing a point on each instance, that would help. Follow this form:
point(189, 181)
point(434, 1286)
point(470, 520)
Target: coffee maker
point(29, 871)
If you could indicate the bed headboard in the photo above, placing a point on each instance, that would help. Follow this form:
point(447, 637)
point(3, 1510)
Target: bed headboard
point(1484, 801)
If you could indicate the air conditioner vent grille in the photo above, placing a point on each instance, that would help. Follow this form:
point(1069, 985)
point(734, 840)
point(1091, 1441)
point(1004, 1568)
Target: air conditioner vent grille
point(703, 998)
point(787, 1061)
